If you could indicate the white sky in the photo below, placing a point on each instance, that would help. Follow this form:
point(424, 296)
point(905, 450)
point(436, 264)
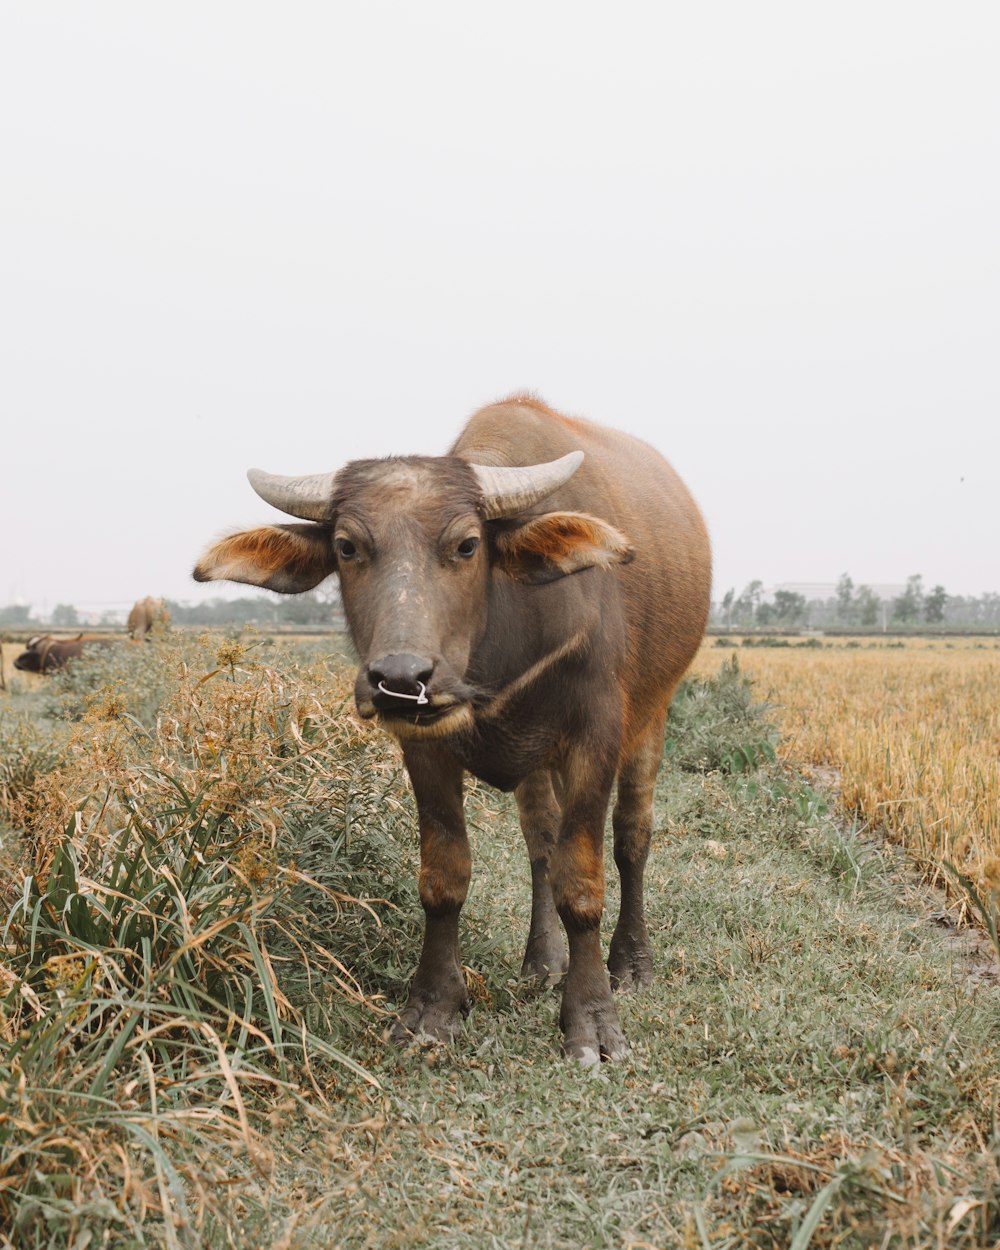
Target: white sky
point(766, 237)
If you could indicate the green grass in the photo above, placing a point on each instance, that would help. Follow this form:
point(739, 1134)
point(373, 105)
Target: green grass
point(811, 1047)
point(815, 1065)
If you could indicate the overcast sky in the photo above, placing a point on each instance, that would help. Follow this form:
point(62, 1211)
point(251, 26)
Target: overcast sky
point(765, 237)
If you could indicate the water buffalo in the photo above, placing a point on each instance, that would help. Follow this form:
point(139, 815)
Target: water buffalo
point(523, 608)
point(45, 654)
point(146, 615)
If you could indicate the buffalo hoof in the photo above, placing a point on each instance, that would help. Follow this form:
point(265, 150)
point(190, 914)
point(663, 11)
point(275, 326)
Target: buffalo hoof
point(593, 1033)
point(433, 1019)
point(545, 960)
point(630, 963)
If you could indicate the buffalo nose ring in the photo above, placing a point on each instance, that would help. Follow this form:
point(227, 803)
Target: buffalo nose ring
point(419, 697)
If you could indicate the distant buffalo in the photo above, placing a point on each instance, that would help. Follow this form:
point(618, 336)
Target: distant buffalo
point(44, 654)
point(146, 615)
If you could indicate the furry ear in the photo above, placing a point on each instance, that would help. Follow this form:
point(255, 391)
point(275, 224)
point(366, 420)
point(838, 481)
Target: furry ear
point(286, 558)
point(557, 544)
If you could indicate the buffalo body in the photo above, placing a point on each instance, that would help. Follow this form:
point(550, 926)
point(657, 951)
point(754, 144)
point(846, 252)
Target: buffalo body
point(522, 613)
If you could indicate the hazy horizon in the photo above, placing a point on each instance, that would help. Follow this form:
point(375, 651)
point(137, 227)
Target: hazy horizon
point(91, 612)
point(764, 239)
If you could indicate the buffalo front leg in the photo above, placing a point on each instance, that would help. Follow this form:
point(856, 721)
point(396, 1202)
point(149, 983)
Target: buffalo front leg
point(630, 960)
point(589, 1019)
point(437, 991)
point(545, 953)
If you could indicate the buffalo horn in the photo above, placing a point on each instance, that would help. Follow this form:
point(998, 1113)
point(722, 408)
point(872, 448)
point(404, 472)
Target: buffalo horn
point(307, 497)
point(506, 492)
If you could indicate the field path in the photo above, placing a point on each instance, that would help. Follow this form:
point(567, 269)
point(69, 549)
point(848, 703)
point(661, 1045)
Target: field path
point(814, 1047)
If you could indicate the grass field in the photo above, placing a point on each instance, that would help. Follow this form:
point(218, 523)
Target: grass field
point(210, 913)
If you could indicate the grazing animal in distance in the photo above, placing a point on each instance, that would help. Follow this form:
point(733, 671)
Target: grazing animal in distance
point(523, 609)
point(146, 615)
point(45, 654)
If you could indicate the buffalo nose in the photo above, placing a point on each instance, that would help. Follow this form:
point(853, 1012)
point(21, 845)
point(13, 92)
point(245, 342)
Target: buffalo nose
point(405, 676)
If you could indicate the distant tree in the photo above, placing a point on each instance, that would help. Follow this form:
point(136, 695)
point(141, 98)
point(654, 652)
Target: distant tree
point(65, 615)
point(256, 609)
point(866, 606)
point(246, 610)
point(990, 607)
point(745, 607)
point(727, 605)
point(15, 614)
point(908, 607)
point(845, 599)
point(789, 607)
point(934, 606)
point(308, 608)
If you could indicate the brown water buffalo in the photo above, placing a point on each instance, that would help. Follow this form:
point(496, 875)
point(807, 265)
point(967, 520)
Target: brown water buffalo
point(524, 609)
point(146, 615)
point(45, 654)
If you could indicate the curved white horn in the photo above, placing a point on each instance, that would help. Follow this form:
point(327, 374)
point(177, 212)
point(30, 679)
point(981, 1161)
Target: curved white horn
point(506, 492)
point(307, 497)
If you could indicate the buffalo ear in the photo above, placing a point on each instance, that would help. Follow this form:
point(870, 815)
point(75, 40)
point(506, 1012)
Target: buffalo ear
point(557, 544)
point(286, 558)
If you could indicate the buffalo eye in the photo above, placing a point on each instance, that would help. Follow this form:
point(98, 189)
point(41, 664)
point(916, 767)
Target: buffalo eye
point(467, 548)
point(345, 549)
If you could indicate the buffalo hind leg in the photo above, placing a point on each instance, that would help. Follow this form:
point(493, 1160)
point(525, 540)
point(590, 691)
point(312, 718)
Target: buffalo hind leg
point(545, 958)
point(438, 992)
point(630, 960)
point(589, 1018)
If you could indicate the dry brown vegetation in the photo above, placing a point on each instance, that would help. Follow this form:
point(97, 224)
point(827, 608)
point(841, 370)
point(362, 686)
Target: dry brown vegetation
point(162, 936)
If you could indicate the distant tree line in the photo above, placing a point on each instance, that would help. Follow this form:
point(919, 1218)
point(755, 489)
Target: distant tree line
point(850, 607)
point(320, 607)
point(856, 607)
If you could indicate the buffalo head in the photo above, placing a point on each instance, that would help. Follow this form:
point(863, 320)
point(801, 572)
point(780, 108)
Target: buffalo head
point(31, 658)
point(416, 542)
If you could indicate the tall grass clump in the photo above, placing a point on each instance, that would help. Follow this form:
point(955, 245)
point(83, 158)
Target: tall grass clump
point(187, 902)
point(718, 723)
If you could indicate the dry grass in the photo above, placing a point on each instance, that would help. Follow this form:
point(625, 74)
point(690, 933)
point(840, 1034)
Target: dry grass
point(162, 882)
point(913, 732)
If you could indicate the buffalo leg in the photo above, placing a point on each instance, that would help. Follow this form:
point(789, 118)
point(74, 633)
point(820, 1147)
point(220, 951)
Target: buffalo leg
point(437, 991)
point(589, 1019)
point(630, 960)
point(545, 953)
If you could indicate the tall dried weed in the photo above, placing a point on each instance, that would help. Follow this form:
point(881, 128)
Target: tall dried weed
point(173, 848)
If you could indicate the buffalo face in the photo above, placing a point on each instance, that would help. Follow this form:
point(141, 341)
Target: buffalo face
point(415, 541)
point(410, 550)
point(28, 661)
